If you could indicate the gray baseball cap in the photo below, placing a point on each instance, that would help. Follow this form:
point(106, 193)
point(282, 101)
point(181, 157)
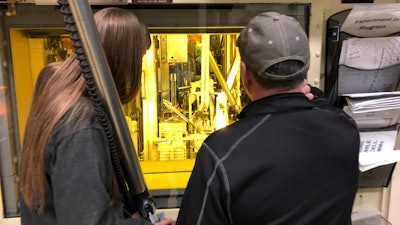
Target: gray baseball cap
point(270, 38)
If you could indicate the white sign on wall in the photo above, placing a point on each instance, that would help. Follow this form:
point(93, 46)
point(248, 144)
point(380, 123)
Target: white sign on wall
point(373, 20)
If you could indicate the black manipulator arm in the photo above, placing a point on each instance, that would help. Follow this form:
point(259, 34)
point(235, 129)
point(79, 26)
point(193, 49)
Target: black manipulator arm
point(80, 24)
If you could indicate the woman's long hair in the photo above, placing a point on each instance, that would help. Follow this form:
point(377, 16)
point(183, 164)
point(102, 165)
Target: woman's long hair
point(125, 40)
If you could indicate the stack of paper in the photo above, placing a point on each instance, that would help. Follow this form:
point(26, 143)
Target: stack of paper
point(375, 119)
point(370, 102)
point(369, 65)
point(373, 111)
point(377, 149)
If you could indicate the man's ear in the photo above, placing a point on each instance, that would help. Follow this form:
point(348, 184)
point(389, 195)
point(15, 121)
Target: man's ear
point(245, 74)
point(248, 81)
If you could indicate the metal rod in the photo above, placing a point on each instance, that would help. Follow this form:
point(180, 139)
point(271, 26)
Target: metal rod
point(88, 33)
point(222, 82)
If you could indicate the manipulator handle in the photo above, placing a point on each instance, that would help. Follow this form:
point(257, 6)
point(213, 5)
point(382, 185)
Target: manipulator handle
point(146, 206)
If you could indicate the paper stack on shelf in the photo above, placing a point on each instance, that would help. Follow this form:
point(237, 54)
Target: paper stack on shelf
point(369, 65)
point(369, 102)
point(372, 112)
point(375, 119)
point(377, 149)
point(369, 78)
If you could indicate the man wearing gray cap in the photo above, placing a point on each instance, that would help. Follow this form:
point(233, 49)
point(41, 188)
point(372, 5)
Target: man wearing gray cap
point(288, 160)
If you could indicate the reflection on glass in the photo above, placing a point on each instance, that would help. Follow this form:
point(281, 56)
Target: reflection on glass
point(57, 48)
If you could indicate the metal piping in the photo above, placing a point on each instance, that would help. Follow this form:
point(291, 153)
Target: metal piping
point(205, 74)
point(233, 72)
point(221, 80)
point(83, 17)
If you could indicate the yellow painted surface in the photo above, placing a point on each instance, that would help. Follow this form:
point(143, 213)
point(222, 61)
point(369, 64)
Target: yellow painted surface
point(167, 174)
point(36, 52)
point(161, 181)
point(28, 60)
point(22, 75)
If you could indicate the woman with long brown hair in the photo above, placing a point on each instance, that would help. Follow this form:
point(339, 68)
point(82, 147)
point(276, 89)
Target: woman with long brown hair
point(66, 170)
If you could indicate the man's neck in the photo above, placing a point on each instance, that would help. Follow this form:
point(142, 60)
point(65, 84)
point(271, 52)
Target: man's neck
point(262, 93)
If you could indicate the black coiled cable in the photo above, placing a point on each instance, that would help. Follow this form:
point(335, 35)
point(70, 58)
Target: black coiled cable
point(102, 116)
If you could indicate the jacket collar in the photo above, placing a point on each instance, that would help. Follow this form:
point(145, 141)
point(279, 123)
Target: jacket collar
point(278, 103)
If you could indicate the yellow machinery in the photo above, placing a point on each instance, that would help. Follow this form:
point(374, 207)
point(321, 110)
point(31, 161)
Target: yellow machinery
point(190, 88)
point(190, 81)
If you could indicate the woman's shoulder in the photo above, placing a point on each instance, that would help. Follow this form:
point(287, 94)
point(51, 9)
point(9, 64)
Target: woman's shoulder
point(80, 117)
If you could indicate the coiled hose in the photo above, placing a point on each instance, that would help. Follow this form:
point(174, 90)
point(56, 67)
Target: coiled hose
point(99, 108)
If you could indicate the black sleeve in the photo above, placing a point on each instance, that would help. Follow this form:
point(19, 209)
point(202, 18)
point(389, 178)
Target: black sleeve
point(322, 102)
point(319, 98)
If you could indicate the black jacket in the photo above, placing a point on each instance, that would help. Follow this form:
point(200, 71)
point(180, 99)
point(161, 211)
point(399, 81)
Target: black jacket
point(285, 161)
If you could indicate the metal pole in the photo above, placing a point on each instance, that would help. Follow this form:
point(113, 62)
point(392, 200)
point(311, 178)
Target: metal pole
point(88, 33)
